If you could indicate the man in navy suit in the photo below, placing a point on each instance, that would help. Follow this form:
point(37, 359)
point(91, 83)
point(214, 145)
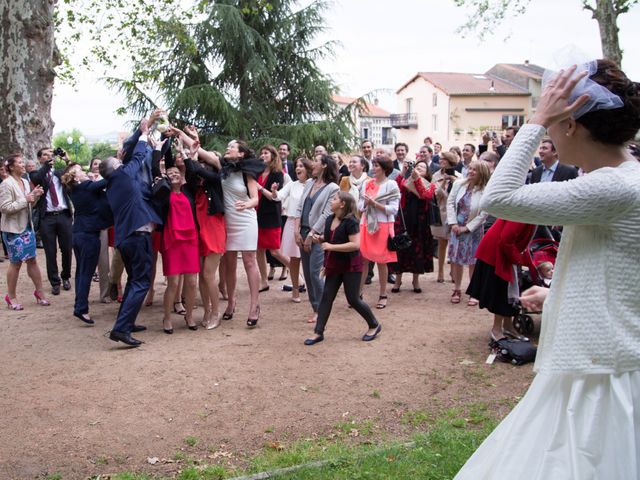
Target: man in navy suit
point(134, 220)
point(551, 169)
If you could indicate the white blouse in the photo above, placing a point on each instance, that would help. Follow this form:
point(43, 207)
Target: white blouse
point(292, 191)
point(591, 317)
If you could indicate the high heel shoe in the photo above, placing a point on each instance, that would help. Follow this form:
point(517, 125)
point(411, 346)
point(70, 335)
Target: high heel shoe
point(168, 331)
point(209, 324)
point(252, 322)
point(229, 315)
point(190, 327)
point(40, 300)
point(11, 305)
point(181, 311)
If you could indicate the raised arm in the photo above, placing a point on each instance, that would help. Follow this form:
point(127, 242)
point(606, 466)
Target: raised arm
point(599, 197)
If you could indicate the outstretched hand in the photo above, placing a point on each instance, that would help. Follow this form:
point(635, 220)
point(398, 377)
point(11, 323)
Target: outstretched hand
point(144, 126)
point(192, 132)
point(554, 101)
point(193, 150)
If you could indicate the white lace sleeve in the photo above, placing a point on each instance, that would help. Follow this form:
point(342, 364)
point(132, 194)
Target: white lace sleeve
point(599, 197)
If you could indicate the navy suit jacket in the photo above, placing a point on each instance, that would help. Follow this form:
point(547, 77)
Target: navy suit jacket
point(562, 173)
point(92, 211)
point(126, 194)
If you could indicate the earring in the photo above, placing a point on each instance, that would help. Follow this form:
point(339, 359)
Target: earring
point(567, 134)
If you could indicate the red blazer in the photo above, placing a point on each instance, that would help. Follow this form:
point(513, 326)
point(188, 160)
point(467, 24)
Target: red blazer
point(502, 246)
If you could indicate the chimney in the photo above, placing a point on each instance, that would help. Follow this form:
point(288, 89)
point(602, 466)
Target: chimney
point(492, 88)
point(375, 101)
point(526, 62)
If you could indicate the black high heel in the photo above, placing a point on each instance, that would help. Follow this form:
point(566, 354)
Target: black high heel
point(190, 327)
point(252, 322)
point(229, 316)
point(168, 331)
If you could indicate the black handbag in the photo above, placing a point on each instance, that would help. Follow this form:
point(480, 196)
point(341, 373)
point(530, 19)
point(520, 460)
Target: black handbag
point(517, 352)
point(400, 241)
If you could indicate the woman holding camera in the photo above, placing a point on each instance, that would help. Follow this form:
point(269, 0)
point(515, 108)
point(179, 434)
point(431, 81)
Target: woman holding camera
point(443, 179)
point(16, 203)
point(415, 206)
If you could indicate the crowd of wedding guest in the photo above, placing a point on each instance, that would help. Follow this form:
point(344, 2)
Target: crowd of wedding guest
point(342, 217)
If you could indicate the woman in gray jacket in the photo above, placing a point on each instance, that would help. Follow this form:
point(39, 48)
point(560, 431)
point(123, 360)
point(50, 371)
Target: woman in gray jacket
point(312, 213)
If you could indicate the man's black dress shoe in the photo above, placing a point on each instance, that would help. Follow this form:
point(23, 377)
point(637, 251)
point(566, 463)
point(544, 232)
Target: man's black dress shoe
point(124, 338)
point(84, 317)
point(55, 290)
point(368, 338)
point(66, 284)
point(289, 288)
point(313, 341)
point(391, 278)
point(368, 280)
point(138, 328)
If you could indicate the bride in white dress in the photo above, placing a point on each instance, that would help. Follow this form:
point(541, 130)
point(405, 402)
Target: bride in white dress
point(580, 418)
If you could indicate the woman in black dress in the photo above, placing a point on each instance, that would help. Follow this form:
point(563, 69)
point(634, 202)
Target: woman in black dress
point(417, 193)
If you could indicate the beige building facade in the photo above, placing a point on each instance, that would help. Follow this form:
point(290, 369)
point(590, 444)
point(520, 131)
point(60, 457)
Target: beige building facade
point(455, 108)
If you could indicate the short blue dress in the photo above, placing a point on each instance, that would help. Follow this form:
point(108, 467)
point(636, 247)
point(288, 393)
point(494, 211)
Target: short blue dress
point(20, 246)
point(462, 247)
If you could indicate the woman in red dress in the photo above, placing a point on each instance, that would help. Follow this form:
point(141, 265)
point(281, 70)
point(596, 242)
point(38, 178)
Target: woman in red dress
point(212, 232)
point(269, 213)
point(179, 248)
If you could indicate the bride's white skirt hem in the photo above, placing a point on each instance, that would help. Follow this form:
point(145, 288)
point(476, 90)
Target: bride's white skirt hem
point(567, 427)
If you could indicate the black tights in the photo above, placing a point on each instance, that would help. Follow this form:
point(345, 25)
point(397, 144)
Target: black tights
point(351, 282)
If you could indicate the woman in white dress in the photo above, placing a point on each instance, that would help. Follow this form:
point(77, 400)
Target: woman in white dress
point(240, 191)
point(580, 418)
point(293, 192)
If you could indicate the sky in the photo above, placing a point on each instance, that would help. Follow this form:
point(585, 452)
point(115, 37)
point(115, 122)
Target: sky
point(382, 44)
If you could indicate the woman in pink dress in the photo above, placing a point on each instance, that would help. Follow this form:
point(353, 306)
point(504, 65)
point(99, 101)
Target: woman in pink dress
point(179, 249)
point(379, 204)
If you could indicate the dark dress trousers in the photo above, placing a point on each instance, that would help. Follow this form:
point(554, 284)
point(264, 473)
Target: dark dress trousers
point(132, 211)
point(55, 227)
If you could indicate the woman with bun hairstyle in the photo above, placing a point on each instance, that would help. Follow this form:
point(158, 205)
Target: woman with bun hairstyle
point(92, 215)
point(580, 417)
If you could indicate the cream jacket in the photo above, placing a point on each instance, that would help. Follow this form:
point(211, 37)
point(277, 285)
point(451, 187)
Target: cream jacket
point(476, 216)
point(16, 211)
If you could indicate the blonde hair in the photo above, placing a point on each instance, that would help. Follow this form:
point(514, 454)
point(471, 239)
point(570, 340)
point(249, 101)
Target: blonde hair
point(483, 174)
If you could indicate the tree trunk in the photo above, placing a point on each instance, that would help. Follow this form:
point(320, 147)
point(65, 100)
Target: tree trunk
point(607, 18)
point(29, 55)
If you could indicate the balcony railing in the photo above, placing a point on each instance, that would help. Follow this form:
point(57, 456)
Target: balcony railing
point(404, 120)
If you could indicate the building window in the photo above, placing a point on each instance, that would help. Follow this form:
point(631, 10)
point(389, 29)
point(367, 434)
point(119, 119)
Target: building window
point(434, 100)
point(387, 139)
point(365, 133)
point(512, 121)
point(408, 103)
point(434, 122)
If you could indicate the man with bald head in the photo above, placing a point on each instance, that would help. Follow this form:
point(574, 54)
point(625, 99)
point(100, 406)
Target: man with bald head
point(134, 220)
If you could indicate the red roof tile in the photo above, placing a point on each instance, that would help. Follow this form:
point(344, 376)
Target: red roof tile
point(468, 84)
point(371, 110)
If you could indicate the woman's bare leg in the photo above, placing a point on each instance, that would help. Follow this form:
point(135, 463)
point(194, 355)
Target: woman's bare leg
point(253, 277)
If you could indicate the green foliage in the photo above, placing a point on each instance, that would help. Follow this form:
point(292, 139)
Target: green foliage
point(234, 68)
point(77, 151)
point(102, 150)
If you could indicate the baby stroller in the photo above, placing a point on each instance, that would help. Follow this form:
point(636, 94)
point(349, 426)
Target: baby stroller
point(542, 248)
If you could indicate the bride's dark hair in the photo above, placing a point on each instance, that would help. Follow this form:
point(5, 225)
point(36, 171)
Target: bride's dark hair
point(619, 125)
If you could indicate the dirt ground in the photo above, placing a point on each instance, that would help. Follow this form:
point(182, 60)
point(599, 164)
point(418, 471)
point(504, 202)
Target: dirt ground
point(76, 403)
